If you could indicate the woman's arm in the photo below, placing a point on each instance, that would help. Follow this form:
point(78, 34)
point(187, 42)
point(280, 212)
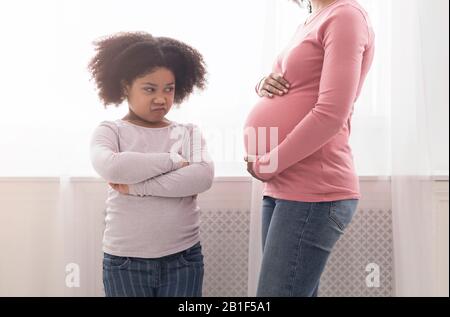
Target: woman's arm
point(344, 36)
point(187, 181)
point(126, 167)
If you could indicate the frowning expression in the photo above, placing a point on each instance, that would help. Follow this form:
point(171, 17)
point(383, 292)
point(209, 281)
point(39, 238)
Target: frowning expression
point(151, 96)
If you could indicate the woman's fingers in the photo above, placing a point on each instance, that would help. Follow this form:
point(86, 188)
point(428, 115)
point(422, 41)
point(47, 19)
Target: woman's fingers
point(279, 78)
point(274, 84)
point(266, 93)
point(272, 90)
point(252, 172)
point(250, 158)
point(280, 88)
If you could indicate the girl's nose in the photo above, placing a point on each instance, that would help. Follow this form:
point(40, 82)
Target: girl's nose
point(159, 101)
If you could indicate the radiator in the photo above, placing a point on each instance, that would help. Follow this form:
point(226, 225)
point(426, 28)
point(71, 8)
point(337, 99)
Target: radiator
point(366, 244)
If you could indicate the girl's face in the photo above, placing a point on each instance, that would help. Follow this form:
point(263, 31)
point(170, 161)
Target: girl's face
point(151, 97)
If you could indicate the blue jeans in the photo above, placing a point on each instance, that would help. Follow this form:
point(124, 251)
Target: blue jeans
point(297, 239)
point(176, 275)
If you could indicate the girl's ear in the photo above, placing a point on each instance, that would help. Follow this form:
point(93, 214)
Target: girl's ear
point(125, 88)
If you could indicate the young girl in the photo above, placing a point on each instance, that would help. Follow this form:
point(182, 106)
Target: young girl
point(155, 167)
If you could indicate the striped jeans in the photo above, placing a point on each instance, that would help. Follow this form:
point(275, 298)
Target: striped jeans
point(176, 275)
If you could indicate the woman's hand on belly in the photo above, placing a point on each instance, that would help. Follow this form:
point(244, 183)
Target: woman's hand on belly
point(273, 84)
point(251, 171)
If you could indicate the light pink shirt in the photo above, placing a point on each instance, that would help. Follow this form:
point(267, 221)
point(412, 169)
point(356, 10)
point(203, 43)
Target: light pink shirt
point(326, 64)
point(160, 216)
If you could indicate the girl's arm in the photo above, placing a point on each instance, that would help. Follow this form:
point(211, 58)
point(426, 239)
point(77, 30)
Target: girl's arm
point(187, 181)
point(126, 167)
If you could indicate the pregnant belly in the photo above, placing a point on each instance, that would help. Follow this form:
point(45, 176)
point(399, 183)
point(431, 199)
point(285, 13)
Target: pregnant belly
point(271, 120)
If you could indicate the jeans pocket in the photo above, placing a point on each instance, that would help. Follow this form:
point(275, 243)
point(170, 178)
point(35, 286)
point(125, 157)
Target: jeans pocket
point(192, 256)
point(342, 211)
point(114, 262)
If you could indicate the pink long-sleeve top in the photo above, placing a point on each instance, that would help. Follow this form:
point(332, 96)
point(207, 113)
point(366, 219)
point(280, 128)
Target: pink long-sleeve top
point(309, 158)
point(160, 216)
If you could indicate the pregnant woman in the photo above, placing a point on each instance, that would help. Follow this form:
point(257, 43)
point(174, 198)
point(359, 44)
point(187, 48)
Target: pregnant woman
point(311, 190)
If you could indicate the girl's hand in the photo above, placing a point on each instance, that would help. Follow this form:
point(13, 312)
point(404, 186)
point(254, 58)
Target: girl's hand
point(274, 84)
point(121, 188)
point(184, 164)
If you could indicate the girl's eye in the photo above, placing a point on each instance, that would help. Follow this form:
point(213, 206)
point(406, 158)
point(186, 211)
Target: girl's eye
point(169, 89)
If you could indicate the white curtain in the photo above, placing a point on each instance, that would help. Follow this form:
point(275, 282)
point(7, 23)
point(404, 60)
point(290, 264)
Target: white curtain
point(419, 81)
point(404, 93)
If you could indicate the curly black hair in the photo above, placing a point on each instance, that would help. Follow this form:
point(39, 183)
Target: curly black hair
point(125, 56)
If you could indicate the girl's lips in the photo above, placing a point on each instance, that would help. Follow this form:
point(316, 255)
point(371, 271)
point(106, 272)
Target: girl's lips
point(158, 109)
